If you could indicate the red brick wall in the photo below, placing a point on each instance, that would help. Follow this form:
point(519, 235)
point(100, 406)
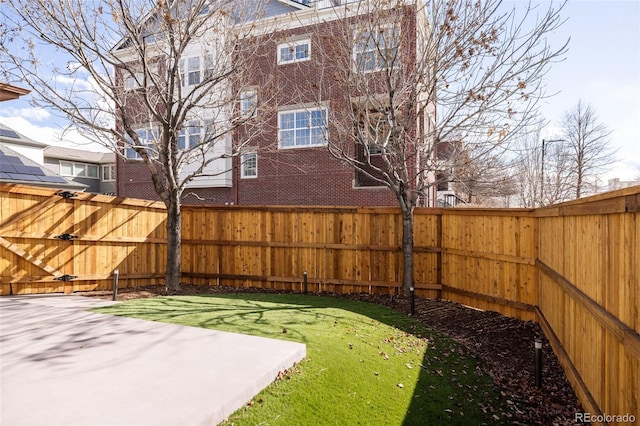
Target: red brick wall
point(299, 176)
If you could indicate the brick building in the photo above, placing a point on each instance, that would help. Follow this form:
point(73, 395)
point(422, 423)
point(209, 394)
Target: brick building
point(288, 163)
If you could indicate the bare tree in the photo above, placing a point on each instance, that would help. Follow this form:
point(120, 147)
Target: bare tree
point(154, 81)
point(589, 142)
point(526, 163)
point(486, 180)
point(412, 75)
point(543, 170)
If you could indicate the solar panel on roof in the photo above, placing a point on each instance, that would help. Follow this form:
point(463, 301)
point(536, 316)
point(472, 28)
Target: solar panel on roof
point(28, 170)
point(38, 172)
point(8, 133)
point(12, 159)
point(7, 168)
point(4, 175)
point(29, 178)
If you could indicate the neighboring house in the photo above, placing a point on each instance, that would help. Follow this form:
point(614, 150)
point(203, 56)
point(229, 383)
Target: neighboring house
point(616, 183)
point(96, 170)
point(25, 161)
point(297, 169)
point(22, 159)
point(446, 153)
point(16, 168)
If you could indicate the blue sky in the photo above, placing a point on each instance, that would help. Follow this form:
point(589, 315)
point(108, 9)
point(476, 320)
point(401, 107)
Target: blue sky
point(602, 68)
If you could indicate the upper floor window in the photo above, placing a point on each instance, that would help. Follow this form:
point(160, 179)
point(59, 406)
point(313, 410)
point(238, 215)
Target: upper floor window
point(375, 131)
point(193, 71)
point(191, 136)
point(109, 172)
point(132, 82)
point(78, 169)
point(209, 61)
point(190, 71)
point(302, 128)
point(376, 49)
point(294, 51)
point(147, 137)
point(248, 103)
point(137, 79)
point(249, 165)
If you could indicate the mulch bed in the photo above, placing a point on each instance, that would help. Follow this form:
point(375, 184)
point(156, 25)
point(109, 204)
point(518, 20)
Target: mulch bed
point(504, 346)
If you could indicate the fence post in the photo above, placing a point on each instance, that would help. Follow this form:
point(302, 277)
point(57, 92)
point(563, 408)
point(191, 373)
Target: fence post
point(116, 273)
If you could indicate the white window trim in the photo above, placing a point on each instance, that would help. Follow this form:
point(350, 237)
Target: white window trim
point(243, 169)
point(357, 34)
point(85, 173)
point(308, 110)
point(251, 94)
point(193, 131)
point(185, 71)
point(112, 175)
point(128, 147)
point(134, 82)
point(292, 45)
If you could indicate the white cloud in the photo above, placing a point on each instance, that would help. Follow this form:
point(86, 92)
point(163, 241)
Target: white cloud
point(50, 135)
point(74, 82)
point(35, 114)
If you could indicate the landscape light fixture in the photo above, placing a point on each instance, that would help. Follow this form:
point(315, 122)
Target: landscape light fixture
point(538, 367)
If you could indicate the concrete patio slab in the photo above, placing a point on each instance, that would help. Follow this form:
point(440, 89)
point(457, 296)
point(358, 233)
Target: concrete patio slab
point(62, 365)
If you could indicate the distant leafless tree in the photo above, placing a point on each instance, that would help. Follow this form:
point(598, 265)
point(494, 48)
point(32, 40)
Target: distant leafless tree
point(155, 80)
point(542, 179)
point(471, 72)
point(589, 146)
point(526, 165)
point(486, 180)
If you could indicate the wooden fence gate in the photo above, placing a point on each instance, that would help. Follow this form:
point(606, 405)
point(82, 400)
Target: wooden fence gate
point(55, 241)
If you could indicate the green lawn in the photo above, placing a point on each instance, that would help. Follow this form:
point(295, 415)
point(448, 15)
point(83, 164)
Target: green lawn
point(366, 364)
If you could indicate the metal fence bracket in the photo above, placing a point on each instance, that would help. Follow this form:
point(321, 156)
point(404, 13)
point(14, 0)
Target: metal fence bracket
point(65, 278)
point(66, 194)
point(66, 237)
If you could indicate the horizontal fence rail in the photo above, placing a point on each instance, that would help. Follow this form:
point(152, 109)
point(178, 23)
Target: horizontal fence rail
point(572, 267)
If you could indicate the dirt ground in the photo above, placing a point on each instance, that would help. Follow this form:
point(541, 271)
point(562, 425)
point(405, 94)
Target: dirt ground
point(505, 347)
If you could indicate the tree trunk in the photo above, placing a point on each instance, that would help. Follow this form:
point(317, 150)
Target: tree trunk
point(174, 235)
point(407, 246)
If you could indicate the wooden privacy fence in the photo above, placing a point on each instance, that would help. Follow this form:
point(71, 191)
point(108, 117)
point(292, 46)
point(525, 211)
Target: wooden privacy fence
point(575, 267)
point(49, 243)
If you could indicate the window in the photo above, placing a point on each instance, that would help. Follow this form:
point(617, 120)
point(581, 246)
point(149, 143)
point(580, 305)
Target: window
point(193, 71)
point(146, 138)
point(131, 82)
point(66, 169)
point(295, 51)
point(377, 49)
point(248, 103)
point(208, 65)
point(249, 165)
point(109, 172)
point(190, 76)
point(375, 131)
point(302, 128)
point(190, 136)
point(92, 171)
point(78, 169)
point(137, 79)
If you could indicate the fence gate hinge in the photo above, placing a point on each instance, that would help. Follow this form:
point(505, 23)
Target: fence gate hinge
point(66, 194)
point(66, 237)
point(65, 278)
